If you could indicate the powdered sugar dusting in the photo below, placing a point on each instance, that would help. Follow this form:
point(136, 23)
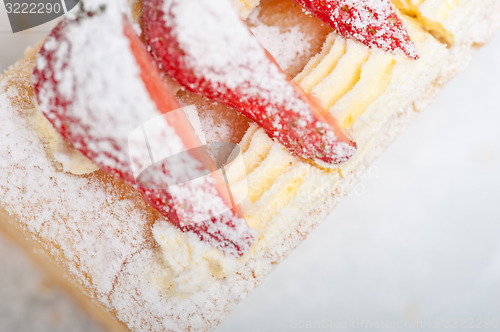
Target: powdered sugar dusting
point(83, 225)
point(373, 22)
point(81, 92)
point(280, 43)
point(243, 60)
point(187, 37)
point(90, 87)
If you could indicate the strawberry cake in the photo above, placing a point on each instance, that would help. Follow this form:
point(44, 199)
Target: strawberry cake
point(162, 156)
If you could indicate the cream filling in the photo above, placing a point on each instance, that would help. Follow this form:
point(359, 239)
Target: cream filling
point(245, 7)
point(321, 64)
point(189, 268)
point(444, 19)
point(341, 78)
point(59, 150)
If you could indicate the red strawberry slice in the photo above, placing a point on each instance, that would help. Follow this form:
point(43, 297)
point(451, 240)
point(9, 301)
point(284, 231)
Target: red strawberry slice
point(100, 92)
point(372, 22)
point(204, 46)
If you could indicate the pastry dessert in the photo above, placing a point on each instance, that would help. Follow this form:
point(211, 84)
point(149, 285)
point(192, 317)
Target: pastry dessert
point(148, 274)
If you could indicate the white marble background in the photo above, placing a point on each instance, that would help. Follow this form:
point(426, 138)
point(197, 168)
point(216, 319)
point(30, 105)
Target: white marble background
point(416, 246)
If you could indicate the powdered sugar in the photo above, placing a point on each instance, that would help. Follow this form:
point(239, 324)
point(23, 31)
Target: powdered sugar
point(103, 107)
point(83, 225)
point(280, 44)
point(94, 86)
point(242, 62)
point(187, 38)
point(373, 22)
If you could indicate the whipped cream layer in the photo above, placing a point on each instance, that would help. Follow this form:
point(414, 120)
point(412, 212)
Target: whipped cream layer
point(63, 153)
point(445, 19)
point(245, 7)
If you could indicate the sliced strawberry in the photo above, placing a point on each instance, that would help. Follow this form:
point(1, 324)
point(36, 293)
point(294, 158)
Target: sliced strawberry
point(204, 46)
point(100, 92)
point(372, 22)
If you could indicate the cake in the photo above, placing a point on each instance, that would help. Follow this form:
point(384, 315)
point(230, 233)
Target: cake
point(151, 276)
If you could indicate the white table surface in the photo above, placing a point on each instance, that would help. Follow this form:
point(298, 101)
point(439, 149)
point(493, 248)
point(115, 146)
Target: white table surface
point(417, 245)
